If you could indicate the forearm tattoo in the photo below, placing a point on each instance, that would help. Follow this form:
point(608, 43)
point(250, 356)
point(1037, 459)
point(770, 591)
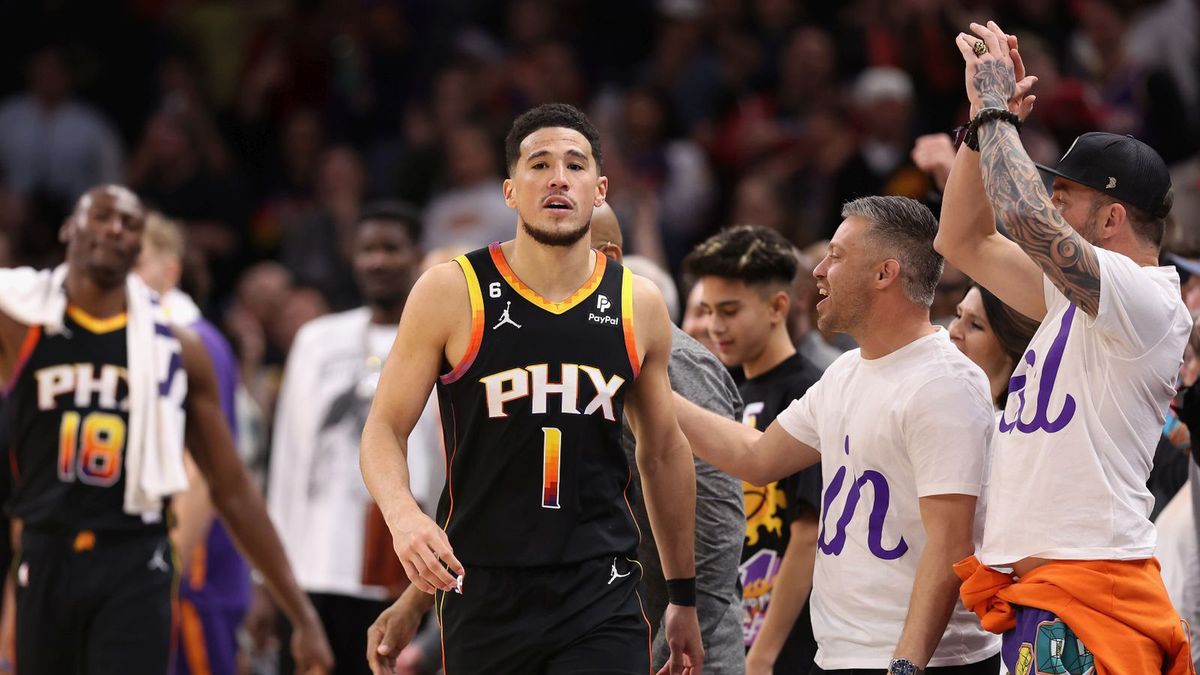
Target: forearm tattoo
point(1019, 199)
point(996, 84)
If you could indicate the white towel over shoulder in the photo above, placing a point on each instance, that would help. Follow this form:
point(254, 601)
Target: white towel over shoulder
point(157, 380)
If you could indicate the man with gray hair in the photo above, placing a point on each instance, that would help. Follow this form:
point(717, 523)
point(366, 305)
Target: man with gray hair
point(900, 427)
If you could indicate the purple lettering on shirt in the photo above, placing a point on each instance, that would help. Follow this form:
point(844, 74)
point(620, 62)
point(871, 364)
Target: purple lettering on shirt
point(1049, 377)
point(875, 522)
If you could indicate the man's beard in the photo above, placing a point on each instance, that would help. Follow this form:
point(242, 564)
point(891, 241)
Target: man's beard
point(568, 238)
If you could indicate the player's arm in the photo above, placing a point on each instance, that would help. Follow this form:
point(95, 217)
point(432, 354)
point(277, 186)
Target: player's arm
point(395, 629)
point(667, 469)
point(948, 520)
point(739, 449)
point(238, 501)
point(12, 334)
point(193, 514)
point(663, 456)
point(404, 385)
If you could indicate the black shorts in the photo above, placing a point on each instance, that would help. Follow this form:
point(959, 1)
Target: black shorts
point(583, 619)
point(94, 603)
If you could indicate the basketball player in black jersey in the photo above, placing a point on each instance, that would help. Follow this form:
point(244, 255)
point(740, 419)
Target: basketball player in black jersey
point(536, 345)
point(94, 583)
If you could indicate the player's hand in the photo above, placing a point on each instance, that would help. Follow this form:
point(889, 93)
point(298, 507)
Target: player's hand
point(424, 551)
point(683, 639)
point(394, 629)
point(310, 649)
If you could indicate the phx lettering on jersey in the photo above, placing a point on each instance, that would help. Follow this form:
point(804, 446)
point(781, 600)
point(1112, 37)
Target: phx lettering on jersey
point(882, 493)
point(534, 381)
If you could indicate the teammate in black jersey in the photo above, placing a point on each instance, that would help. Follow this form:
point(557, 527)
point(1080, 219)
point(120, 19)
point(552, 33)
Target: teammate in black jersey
point(94, 583)
point(747, 273)
point(536, 344)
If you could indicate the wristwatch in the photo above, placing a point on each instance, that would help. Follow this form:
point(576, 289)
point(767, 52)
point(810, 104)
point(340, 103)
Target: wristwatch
point(904, 667)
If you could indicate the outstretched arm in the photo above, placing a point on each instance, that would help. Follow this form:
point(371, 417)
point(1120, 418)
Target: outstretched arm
point(741, 450)
point(237, 499)
point(1013, 184)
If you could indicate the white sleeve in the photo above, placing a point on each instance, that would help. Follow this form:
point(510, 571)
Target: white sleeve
point(292, 440)
point(947, 427)
point(801, 418)
point(1136, 310)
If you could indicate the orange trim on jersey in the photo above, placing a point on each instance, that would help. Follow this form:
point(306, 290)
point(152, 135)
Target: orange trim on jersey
point(442, 629)
point(476, 296)
point(95, 324)
point(649, 629)
point(198, 569)
point(533, 296)
point(195, 650)
point(32, 337)
point(450, 452)
point(627, 315)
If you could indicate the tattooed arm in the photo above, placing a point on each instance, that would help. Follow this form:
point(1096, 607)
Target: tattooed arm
point(967, 234)
point(1014, 186)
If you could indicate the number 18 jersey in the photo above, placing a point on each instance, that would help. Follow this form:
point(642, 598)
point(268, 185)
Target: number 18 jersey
point(531, 417)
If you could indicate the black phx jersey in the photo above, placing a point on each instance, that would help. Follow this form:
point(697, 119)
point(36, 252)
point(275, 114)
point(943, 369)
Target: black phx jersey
point(532, 420)
point(68, 417)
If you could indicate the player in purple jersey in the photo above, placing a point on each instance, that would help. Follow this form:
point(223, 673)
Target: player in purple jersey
point(214, 591)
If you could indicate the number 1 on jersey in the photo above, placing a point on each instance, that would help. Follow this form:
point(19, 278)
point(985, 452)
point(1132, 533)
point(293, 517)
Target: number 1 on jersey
point(551, 443)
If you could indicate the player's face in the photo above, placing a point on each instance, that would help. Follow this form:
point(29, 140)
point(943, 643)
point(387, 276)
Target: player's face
point(384, 261)
point(104, 235)
point(740, 319)
point(973, 335)
point(843, 279)
point(555, 185)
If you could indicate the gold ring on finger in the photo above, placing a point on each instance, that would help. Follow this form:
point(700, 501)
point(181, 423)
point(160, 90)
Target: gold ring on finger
point(980, 48)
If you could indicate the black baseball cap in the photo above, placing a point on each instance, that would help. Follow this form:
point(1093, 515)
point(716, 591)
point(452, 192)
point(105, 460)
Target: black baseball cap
point(1121, 167)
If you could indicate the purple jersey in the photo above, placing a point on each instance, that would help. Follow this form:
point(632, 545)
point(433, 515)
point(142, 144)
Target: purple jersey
point(215, 592)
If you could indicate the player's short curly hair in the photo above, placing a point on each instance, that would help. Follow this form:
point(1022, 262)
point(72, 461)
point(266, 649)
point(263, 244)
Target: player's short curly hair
point(546, 116)
point(751, 253)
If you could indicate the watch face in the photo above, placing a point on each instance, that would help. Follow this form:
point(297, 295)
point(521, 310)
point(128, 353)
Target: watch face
point(902, 667)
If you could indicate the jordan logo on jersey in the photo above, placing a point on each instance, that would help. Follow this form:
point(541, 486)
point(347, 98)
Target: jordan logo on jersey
point(534, 381)
point(505, 318)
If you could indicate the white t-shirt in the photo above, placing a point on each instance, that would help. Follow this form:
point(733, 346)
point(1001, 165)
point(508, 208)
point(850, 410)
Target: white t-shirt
point(1084, 413)
point(890, 430)
point(315, 494)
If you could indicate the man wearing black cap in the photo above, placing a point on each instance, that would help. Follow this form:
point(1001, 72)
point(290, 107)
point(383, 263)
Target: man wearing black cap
point(1067, 504)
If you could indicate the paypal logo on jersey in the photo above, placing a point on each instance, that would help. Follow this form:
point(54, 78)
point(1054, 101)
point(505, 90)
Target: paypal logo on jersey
point(602, 305)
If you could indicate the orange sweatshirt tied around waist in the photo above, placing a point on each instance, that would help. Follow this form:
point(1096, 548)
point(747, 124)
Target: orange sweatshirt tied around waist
point(1118, 608)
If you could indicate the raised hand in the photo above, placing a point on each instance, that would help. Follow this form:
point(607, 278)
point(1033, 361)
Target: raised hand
point(996, 78)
